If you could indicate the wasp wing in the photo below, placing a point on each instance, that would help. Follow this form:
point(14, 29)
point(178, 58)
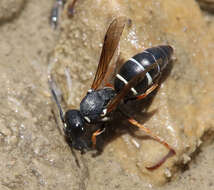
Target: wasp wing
point(132, 83)
point(111, 41)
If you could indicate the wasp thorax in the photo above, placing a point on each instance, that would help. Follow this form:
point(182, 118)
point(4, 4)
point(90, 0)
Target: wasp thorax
point(93, 106)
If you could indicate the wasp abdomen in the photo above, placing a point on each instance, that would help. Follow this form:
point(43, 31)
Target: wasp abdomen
point(159, 56)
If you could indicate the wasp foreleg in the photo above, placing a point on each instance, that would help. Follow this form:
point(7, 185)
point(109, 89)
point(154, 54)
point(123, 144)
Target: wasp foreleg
point(94, 135)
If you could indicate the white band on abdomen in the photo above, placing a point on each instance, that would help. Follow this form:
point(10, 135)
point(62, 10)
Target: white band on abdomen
point(149, 78)
point(126, 82)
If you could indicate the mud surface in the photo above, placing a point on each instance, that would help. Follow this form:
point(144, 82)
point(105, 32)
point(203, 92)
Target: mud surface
point(34, 154)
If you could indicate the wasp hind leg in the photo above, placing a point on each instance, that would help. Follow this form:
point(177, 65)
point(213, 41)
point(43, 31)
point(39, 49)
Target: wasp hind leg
point(144, 95)
point(155, 137)
point(158, 139)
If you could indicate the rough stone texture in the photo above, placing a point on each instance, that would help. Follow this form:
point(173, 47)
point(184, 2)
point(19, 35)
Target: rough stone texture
point(33, 153)
point(9, 9)
point(184, 102)
point(33, 156)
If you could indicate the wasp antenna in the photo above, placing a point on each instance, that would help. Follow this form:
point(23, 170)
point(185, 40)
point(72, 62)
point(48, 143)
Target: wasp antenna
point(52, 86)
point(69, 83)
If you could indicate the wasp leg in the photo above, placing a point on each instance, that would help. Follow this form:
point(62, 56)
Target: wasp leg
point(109, 85)
point(70, 8)
point(151, 89)
point(96, 133)
point(141, 96)
point(158, 139)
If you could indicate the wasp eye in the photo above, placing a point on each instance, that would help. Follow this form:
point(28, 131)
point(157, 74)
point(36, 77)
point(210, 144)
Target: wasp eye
point(75, 125)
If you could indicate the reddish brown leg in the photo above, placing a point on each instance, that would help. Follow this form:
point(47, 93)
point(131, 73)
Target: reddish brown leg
point(141, 96)
point(153, 87)
point(109, 85)
point(157, 138)
point(70, 9)
point(93, 138)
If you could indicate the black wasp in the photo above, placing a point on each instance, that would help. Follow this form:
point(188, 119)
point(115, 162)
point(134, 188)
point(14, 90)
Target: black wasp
point(136, 78)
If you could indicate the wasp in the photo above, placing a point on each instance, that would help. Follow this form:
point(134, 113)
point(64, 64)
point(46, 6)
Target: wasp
point(136, 79)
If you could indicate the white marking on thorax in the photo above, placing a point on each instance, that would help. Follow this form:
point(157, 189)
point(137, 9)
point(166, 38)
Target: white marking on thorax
point(87, 119)
point(126, 82)
point(144, 62)
point(103, 113)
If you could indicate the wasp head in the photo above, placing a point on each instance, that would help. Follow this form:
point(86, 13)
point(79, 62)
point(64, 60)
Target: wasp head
point(75, 129)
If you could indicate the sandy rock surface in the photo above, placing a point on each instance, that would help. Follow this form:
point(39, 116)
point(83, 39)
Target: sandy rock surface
point(34, 155)
point(10, 9)
point(183, 104)
point(28, 131)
